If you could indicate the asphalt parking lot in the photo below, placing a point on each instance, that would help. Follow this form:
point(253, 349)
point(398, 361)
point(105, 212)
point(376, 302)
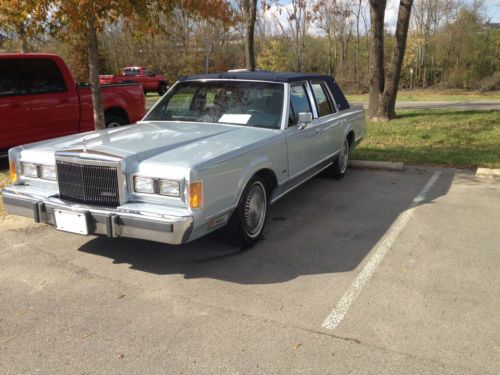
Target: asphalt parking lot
point(381, 272)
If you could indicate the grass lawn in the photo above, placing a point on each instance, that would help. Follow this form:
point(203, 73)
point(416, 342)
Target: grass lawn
point(436, 95)
point(452, 138)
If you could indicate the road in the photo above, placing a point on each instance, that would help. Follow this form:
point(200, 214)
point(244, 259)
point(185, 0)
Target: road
point(381, 272)
point(460, 105)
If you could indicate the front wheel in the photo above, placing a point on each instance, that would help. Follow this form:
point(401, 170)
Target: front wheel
point(249, 219)
point(339, 167)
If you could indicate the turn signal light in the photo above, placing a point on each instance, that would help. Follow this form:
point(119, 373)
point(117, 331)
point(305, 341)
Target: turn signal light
point(12, 171)
point(196, 194)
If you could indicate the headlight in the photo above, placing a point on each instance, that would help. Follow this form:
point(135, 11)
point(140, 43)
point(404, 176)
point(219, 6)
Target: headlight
point(30, 170)
point(170, 188)
point(48, 172)
point(144, 185)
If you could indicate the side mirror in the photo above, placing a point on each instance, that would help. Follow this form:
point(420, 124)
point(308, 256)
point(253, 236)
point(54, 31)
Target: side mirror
point(304, 118)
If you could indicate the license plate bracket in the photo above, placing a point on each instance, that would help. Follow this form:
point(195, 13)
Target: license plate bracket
point(73, 222)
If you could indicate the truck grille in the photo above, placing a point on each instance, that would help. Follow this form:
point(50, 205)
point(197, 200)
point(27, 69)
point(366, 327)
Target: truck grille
point(88, 184)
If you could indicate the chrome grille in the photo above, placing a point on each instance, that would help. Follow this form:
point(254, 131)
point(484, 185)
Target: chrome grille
point(88, 184)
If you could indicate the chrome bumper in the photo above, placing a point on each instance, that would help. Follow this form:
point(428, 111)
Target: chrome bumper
point(112, 223)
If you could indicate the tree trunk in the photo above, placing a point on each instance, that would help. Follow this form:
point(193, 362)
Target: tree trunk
point(250, 15)
point(95, 87)
point(394, 71)
point(383, 90)
point(377, 75)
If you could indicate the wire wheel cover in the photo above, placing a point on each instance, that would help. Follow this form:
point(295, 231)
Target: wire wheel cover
point(255, 209)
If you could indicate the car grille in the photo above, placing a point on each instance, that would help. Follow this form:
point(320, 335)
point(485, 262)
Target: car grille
point(88, 184)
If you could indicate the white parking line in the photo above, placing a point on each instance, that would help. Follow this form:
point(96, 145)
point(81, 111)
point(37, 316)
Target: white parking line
point(345, 303)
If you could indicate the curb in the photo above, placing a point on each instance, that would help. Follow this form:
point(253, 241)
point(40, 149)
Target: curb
point(488, 172)
point(380, 165)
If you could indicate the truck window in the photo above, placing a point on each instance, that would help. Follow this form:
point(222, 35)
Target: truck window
point(132, 71)
point(43, 76)
point(325, 106)
point(299, 102)
point(9, 79)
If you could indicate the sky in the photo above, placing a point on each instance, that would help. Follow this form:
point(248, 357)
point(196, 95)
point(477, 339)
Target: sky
point(492, 10)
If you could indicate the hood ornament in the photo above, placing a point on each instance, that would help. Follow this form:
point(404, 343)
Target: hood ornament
point(84, 144)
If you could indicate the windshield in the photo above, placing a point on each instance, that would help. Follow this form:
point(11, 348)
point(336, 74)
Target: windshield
point(246, 103)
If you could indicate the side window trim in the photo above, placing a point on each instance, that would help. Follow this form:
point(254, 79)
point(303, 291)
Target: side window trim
point(312, 100)
point(330, 94)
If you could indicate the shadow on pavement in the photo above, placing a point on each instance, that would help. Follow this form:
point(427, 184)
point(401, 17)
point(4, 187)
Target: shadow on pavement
point(325, 226)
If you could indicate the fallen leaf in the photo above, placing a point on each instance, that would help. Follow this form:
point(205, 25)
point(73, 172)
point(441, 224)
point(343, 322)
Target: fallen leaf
point(120, 355)
point(21, 312)
point(8, 339)
point(86, 334)
point(121, 296)
point(297, 346)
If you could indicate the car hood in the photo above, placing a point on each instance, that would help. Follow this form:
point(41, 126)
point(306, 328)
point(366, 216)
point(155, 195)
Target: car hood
point(173, 143)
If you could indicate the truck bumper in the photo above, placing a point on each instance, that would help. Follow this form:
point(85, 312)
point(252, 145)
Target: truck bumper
point(112, 223)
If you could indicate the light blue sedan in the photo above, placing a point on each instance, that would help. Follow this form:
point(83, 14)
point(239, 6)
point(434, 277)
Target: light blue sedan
point(217, 150)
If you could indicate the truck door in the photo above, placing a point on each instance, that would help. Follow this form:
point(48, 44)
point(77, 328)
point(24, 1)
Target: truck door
point(55, 109)
point(15, 126)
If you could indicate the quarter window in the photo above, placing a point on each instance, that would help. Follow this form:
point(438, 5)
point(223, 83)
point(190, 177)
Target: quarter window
point(325, 106)
point(43, 76)
point(299, 102)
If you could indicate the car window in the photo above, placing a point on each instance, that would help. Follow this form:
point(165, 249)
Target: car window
point(43, 76)
point(325, 106)
point(9, 78)
point(299, 102)
point(245, 103)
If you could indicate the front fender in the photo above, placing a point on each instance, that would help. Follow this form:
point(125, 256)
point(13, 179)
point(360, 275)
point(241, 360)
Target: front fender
point(258, 164)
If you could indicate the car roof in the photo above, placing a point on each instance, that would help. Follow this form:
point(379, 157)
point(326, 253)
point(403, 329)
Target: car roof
point(259, 75)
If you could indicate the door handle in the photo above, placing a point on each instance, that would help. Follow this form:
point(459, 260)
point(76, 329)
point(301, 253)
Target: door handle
point(317, 131)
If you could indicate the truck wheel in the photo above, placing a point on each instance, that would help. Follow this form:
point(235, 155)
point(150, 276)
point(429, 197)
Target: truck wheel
point(339, 167)
point(162, 89)
point(249, 219)
point(114, 121)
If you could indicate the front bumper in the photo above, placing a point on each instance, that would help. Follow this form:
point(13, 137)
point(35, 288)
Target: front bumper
point(112, 223)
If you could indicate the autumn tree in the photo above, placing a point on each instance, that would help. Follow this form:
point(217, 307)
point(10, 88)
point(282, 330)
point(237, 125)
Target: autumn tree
point(384, 87)
point(22, 18)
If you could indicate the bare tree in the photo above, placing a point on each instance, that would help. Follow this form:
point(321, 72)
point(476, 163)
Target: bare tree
point(249, 8)
point(383, 90)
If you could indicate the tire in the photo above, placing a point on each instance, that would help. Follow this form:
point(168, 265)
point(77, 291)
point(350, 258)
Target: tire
point(248, 221)
point(162, 88)
point(339, 167)
point(114, 121)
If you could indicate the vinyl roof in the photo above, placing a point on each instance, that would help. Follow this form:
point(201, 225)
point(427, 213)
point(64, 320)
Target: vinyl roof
point(261, 75)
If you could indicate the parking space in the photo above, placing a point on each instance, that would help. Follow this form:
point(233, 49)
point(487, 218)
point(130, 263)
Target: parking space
point(428, 302)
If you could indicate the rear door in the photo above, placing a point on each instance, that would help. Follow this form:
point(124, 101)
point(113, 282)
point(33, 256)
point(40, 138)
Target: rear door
point(15, 125)
point(54, 107)
point(330, 125)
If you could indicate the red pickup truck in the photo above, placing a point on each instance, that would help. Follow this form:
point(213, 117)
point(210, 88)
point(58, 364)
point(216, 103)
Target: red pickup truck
point(39, 99)
point(149, 81)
